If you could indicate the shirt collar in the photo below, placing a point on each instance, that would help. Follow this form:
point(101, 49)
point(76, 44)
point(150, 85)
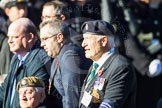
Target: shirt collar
point(22, 59)
point(104, 57)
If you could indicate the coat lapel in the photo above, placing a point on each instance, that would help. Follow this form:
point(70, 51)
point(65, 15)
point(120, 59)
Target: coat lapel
point(52, 74)
point(105, 66)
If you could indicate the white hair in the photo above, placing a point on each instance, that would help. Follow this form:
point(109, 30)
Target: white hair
point(111, 40)
point(39, 89)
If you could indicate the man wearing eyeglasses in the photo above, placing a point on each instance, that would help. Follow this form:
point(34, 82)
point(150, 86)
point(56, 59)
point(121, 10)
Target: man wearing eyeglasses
point(69, 66)
point(55, 10)
point(59, 10)
point(29, 60)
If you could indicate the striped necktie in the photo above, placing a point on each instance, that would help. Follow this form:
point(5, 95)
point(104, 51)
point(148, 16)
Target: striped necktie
point(93, 71)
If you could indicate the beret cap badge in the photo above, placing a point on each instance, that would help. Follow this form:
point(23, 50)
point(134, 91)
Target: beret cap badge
point(24, 82)
point(98, 27)
point(86, 26)
point(30, 82)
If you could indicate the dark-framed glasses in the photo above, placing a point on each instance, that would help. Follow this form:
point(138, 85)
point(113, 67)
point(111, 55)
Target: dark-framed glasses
point(49, 17)
point(46, 38)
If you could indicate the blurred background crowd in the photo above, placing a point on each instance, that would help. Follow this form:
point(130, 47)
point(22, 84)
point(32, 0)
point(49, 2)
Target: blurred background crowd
point(141, 21)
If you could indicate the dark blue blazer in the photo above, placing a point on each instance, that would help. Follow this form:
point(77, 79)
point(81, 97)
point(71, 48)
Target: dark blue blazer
point(70, 73)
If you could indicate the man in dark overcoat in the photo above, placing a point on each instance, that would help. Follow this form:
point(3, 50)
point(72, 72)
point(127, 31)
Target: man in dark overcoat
point(111, 82)
point(29, 60)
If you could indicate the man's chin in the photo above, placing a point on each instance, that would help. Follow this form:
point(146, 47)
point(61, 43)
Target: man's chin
point(24, 105)
point(87, 56)
point(14, 52)
point(49, 54)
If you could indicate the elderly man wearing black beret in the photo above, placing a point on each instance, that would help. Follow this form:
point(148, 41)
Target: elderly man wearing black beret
point(111, 81)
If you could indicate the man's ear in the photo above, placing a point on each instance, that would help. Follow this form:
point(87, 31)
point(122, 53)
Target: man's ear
point(22, 12)
point(30, 37)
point(7, 10)
point(62, 17)
point(104, 41)
point(60, 37)
point(43, 96)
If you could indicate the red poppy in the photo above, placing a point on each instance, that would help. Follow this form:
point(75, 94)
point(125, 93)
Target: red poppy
point(99, 73)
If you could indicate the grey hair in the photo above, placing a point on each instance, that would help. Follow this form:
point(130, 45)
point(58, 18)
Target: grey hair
point(111, 40)
point(39, 89)
point(56, 26)
point(30, 28)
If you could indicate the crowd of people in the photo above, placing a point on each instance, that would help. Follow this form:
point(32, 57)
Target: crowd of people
point(80, 54)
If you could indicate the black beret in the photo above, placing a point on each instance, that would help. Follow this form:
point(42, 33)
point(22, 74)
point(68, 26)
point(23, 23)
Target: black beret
point(98, 27)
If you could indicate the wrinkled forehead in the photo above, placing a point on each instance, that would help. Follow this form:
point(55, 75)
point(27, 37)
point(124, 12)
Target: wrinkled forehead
point(32, 89)
point(87, 35)
point(48, 10)
point(91, 35)
point(46, 30)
